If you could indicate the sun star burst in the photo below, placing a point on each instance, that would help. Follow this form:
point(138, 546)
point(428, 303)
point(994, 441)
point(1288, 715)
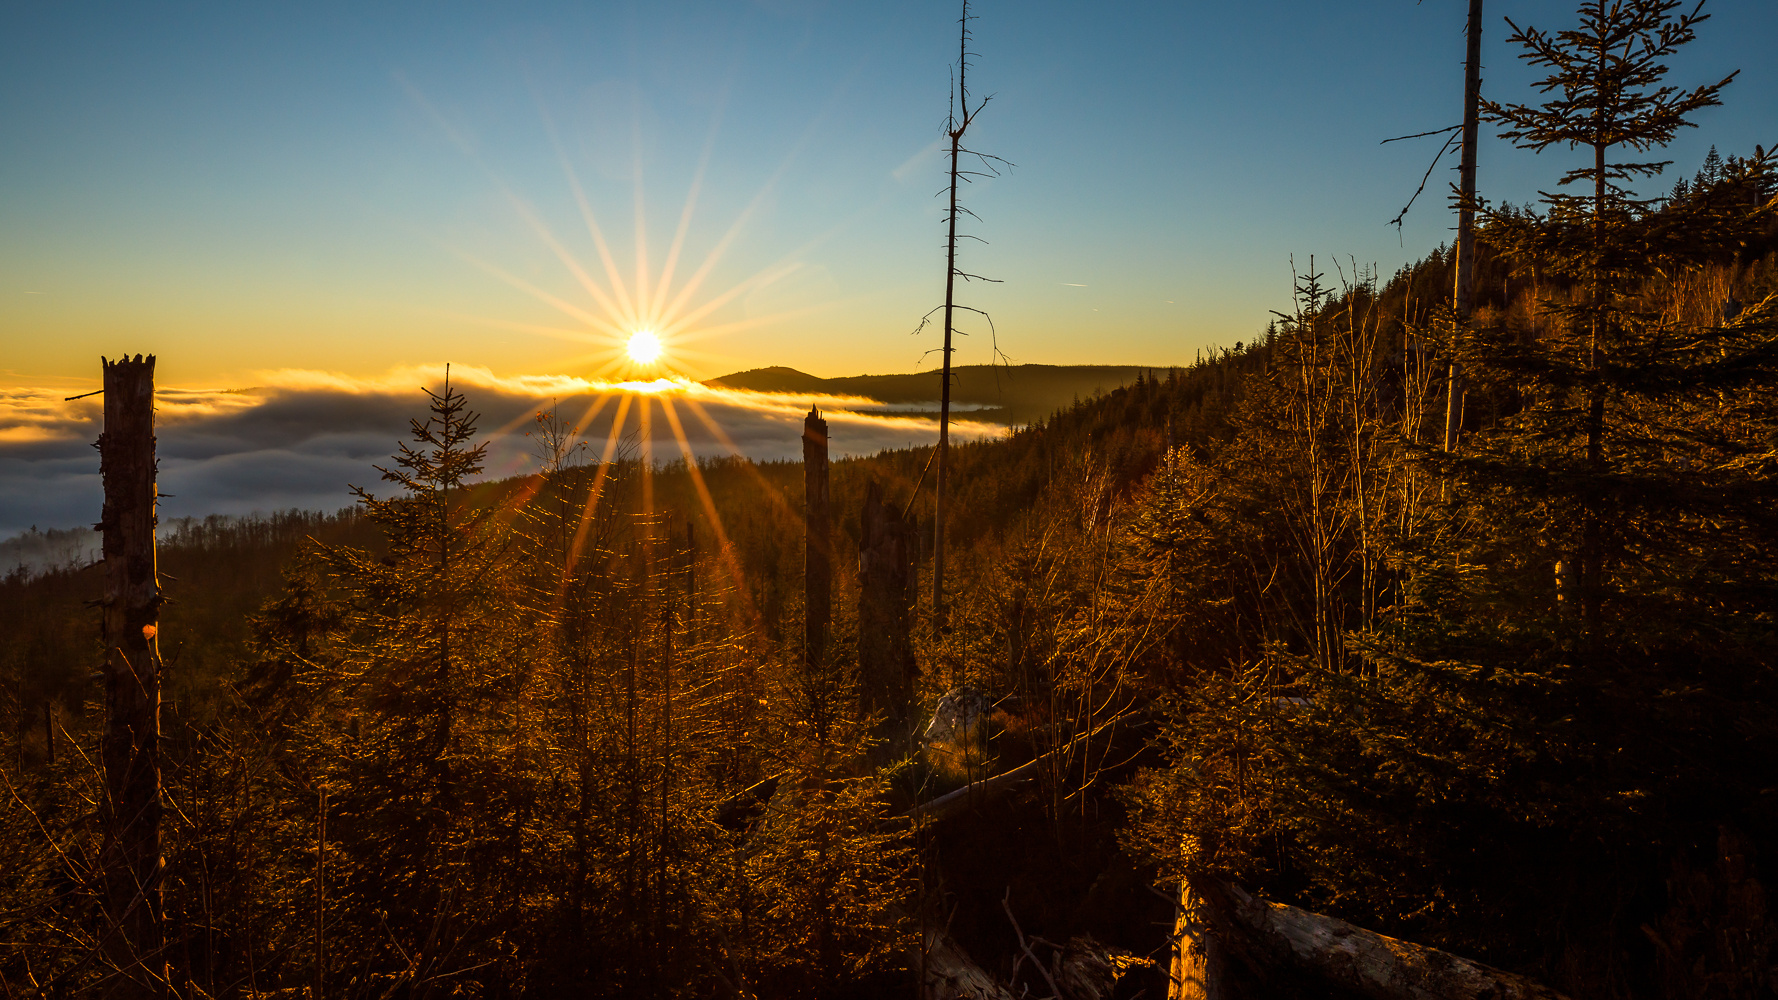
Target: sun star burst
point(644, 347)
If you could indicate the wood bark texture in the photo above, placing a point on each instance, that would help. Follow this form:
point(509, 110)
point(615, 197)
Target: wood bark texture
point(1198, 965)
point(950, 974)
point(130, 750)
point(1266, 934)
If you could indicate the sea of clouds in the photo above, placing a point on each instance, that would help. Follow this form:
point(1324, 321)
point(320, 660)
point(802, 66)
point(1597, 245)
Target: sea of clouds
point(302, 439)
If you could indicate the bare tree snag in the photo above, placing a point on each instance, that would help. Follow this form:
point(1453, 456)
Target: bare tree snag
point(961, 117)
point(1463, 298)
point(1463, 292)
point(132, 851)
point(1268, 935)
point(818, 543)
point(885, 597)
point(939, 485)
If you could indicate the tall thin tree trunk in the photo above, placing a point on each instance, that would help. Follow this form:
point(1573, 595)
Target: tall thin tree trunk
point(1463, 294)
point(1592, 556)
point(130, 749)
point(944, 403)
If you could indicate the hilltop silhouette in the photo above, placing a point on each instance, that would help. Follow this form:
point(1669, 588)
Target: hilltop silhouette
point(1012, 394)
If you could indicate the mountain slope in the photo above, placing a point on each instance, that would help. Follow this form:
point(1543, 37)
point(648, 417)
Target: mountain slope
point(1016, 394)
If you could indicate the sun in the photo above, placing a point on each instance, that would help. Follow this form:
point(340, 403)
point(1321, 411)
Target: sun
point(644, 347)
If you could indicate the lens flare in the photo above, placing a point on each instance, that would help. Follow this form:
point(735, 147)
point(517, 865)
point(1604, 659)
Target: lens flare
point(644, 347)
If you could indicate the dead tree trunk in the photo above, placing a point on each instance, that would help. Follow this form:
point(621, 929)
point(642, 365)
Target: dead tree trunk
point(1463, 291)
point(1267, 936)
point(948, 973)
point(954, 130)
point(818, 544)
point(885, 597)
point(133, 671)
point(1198, 968)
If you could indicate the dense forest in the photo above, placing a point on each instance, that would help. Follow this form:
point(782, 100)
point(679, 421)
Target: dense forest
point(1255, 628)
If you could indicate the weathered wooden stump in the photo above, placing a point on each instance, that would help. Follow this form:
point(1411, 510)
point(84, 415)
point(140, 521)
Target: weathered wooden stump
point(818, 543)
point(130, 750)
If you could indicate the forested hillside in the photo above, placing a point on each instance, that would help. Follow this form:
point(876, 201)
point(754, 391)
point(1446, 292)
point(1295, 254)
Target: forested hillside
point(1009, 393)
point(1256, 625)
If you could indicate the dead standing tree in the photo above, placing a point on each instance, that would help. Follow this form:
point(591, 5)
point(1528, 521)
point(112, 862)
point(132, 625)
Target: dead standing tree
point(961, 117)
point(1463, 283)
point(1463, 290)
point(818, 544)
point(130, 751)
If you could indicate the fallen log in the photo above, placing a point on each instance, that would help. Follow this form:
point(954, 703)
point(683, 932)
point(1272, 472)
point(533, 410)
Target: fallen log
point(1265, 934)
point(979, 791)
point(987, 788)
point(948, 973)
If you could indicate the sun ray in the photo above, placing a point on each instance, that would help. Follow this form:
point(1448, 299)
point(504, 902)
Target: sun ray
point(717, 252)
point(586, 419)
point(494, 323)
point(543, 232)
point(568, 260)
point(566, 307)
point(517, 499)
point(706, 332)
point(626, 306)
point(783, 266)
point(644, 308)
point(685, 215)
point(645, 439)
point(725, 549)
point(528, 415)
point(735, 228)
point(593, 495)
point(771, 492)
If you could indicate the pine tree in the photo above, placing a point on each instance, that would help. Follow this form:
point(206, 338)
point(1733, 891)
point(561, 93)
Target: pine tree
point(1608, 96)
point(420, 744)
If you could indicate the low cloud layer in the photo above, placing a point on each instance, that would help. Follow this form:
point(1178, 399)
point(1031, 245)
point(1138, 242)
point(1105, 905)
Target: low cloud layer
point(301, 438)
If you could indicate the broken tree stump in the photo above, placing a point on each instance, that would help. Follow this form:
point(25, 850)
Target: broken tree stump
point(129, 750)
point(818, 543)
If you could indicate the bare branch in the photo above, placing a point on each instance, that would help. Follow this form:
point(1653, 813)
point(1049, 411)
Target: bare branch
point(1418, 135)
point(1396, 222)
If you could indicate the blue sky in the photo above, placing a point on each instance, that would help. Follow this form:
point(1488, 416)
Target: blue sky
point(345, 187)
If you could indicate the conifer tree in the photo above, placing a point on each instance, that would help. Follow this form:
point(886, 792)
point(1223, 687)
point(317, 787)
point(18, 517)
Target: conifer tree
point(1607, 96)
point(419, 746)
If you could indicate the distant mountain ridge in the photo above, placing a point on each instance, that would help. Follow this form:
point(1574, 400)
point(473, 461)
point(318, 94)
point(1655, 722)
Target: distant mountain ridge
point(1012, 394)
